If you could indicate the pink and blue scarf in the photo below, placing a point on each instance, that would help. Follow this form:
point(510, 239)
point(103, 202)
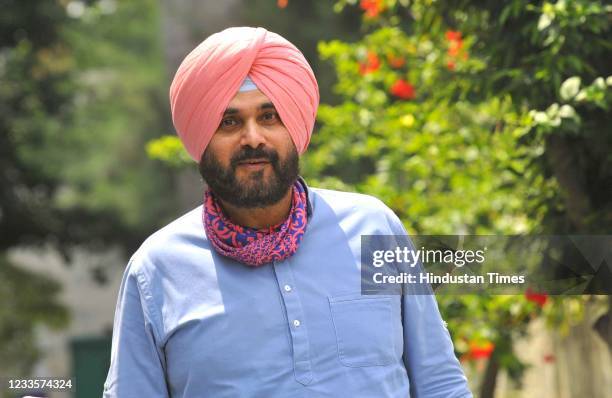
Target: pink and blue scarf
point(251, 246)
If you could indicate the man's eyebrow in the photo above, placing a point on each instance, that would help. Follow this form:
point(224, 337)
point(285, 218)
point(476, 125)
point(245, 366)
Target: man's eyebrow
point(230, 111)
point(267, 105)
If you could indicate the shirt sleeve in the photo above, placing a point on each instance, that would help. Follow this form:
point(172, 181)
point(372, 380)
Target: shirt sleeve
point(137, 363)
point(429, 358)
point(432, 367)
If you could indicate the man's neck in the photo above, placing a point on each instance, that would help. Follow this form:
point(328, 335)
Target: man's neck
point(261, 217)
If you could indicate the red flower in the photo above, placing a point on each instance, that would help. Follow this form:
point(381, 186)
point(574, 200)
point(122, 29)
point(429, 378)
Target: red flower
point(403, 90)
point(481, 350)
point(538, 298)
point(549, 358)
point(455, 46)
point(282, 3)
point(396, 62)
point(453, 35)
point(371, 65)
point(372, 7)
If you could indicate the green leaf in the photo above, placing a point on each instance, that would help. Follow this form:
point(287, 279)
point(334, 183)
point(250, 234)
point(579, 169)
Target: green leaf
point(567, 111)
point(570, 88)
point(544, 22)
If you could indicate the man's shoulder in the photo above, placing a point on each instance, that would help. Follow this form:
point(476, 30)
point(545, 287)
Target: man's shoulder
point(178, 236)
point(358, 207)
point(342, 199)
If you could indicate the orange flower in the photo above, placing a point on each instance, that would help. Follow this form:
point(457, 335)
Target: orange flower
point(538, 298)
point(396, 62)
point(372, 8)
point(372, 64)
point(480, 350)
point(282, 3)
point(402, 89)
point(455, 48)
point(453, 35)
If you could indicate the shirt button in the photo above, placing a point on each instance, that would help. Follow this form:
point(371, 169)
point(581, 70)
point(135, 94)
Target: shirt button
point(287, 288)
point(296, 323)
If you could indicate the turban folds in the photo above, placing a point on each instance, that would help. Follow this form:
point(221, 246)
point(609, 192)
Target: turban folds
point(210, 76)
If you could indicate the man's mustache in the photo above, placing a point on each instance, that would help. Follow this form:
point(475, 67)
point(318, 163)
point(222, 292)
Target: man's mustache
point(259, 153)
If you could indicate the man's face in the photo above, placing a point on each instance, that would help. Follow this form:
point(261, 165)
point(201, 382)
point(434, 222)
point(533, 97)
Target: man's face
point(251, 160)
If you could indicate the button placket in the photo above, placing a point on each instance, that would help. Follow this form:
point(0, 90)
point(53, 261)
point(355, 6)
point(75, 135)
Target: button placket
point(297, 327)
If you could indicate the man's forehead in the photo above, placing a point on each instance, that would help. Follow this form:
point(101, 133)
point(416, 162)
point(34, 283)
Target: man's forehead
point(253, 99)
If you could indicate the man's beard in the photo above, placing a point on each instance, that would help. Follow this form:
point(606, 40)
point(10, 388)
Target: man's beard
point(257, 192)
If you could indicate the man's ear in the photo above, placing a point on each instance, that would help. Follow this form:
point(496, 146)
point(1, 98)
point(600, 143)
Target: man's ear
point(201, 164)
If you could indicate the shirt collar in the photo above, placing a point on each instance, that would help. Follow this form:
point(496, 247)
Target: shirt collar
point(300, 179)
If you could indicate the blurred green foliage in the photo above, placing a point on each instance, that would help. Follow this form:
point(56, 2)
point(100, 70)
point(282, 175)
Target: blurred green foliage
point(27, 300)
point(120, 103)
point(78, 106)
point(498, 134)
point(81, 92)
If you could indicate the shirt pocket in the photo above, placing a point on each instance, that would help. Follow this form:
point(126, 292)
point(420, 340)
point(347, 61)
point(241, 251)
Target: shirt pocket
point(363, 326)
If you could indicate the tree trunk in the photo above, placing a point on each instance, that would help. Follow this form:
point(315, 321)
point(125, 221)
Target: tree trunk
point(564, 165)
point(603, 326)
point(487, 389)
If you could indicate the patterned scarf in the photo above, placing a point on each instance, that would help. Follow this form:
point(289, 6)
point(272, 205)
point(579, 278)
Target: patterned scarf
point(251, 246)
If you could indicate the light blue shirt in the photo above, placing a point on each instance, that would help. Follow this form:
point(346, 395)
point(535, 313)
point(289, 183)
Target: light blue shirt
point(191, 323)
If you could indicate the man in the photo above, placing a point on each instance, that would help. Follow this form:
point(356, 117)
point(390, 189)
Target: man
point(257, 293)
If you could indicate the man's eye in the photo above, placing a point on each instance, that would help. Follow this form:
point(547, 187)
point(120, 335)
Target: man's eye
point(229, 122)
point(269, 116)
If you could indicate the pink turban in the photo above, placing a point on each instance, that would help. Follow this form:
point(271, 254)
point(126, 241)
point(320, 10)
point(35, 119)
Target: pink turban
point(209, 77)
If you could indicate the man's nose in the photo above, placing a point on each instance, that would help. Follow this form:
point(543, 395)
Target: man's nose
point(252, 134)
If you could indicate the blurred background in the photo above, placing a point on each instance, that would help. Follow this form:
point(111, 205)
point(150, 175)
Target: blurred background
point(465, 117)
